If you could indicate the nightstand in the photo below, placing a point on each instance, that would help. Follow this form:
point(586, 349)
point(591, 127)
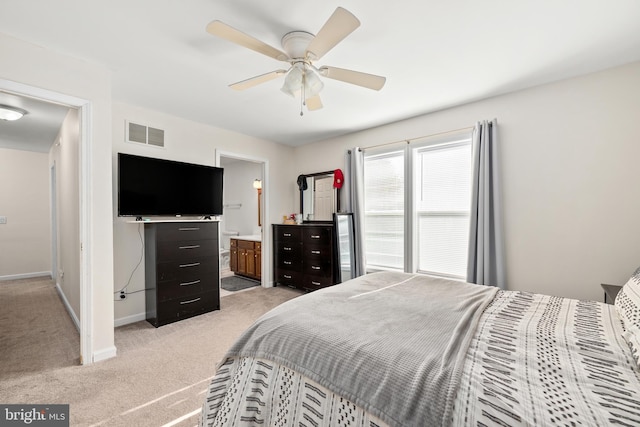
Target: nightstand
point(610, 292)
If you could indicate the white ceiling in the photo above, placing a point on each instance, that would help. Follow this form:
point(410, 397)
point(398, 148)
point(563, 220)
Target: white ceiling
point(434, 53)
point(37, 129)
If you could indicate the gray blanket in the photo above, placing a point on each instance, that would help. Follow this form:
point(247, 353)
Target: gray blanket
point(393, 343)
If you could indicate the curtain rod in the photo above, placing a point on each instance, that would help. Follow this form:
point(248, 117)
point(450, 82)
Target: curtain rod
point(408, 141)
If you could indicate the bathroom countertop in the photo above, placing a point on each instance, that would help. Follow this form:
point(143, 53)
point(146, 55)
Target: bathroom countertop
point(253, 238)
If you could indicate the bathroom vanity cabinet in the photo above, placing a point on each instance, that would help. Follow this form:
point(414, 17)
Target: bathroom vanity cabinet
point(246, 258)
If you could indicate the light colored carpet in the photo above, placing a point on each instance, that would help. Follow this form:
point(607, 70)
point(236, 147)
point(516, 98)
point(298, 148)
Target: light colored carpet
point(36, 332)
point(160, 375)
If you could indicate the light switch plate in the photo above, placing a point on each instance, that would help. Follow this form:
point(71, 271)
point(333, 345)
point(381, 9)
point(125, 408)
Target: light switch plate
point(3, 219)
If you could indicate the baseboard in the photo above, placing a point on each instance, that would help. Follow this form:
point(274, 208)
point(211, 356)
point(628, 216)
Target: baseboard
point(129, 319)
point(26, 275)
point(74, 318)
point(104, 354)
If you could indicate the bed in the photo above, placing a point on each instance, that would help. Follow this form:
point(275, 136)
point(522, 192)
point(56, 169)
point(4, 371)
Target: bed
point(397, 349)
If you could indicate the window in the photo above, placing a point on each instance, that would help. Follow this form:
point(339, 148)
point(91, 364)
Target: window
point(442, 202)
point(420, 224)
point(384, 210)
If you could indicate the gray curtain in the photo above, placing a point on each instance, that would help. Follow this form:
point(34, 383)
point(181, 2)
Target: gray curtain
point(354, 183)
point(485, 262)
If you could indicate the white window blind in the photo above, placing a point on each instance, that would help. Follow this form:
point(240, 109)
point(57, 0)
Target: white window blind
point(443, 184)
point(384, 210)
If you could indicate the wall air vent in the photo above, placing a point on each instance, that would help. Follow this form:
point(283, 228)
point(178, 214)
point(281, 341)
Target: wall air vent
point(141, 134)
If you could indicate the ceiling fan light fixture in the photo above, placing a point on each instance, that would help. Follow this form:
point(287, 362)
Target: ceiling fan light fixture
point(303, 80)
point(293, 81)
point(11, 113)
point(312, 83)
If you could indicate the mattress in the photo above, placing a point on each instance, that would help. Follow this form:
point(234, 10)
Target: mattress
point(530, 360)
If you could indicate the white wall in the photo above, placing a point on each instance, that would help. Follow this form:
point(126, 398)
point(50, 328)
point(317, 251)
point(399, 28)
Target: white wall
point(32, 65)
point(569, 154)
point(65, 155)
point(192, 142)
point(238, 189)
point(25, 240)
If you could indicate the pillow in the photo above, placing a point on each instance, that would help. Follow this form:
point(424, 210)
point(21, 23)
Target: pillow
point(627, 305)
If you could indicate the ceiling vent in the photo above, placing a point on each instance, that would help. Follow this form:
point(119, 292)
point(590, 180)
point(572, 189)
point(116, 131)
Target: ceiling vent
point(141, 134)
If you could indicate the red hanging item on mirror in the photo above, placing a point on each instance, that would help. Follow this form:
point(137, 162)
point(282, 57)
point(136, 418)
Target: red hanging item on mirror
point(338, 178)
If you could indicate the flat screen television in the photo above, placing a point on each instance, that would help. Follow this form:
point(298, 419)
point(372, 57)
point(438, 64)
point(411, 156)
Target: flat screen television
point(157, 187)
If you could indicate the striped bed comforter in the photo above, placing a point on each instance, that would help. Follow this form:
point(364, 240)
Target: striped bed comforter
point(533, 360)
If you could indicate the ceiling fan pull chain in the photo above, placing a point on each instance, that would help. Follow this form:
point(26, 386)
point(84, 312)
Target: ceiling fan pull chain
point(302, 103)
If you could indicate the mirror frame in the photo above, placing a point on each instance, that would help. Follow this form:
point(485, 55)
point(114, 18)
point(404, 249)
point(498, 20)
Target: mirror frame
point(351, 231)
point(337, 199)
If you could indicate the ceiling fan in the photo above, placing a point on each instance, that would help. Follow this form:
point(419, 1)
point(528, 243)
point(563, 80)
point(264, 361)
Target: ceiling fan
point(301, 50)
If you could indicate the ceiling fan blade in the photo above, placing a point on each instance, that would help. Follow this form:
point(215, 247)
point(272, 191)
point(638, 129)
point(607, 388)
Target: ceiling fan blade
point(314, 103)
point(254, 81)
point(338, 26)
point(369, 81)
point(220, 29)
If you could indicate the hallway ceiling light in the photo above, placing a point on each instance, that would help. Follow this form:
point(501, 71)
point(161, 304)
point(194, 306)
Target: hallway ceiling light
point(11, 113)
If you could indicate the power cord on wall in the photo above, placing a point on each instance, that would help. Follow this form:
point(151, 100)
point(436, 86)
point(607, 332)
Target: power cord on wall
point(122, 293)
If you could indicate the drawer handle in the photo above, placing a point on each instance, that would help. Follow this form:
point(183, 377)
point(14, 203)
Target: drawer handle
point(315, 252)
point(193, 264)
point(189, 283)
point(188, 228)
point(286, 249)
point(315, 283)
point(189, 247)
point(315, 236)
point(190, 301)
point(286, 276)
point(315, 267)
point(288, 262)
point(286, 234)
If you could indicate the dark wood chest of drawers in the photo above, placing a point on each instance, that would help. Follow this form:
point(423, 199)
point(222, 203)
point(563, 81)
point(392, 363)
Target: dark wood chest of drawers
point(304, 256)
point(181, 270)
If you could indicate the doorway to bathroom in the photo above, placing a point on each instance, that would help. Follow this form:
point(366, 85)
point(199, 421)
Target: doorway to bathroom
point(242, 217)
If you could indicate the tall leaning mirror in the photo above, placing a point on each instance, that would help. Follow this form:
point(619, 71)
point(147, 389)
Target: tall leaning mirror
point(319, 199)
point(345, 245)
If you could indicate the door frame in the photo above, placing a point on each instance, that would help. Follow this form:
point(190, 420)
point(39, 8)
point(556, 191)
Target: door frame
point(53, 196)
point(84, 108)
point(265, 265)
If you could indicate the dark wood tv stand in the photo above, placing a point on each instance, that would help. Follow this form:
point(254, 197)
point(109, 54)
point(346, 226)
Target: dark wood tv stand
point(182, 277)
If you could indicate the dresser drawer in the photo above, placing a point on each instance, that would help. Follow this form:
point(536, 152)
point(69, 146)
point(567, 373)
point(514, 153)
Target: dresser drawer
point(173, 289)
point(317, 235)
point(288, 262)
point(186, 270)
point(186, 249)
point(288, 249)
point(289, 278)
point(320, 267)
point(187, 306)
point(187, 231)
point(291, 233)
point(312, 283)
point(313, 251)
